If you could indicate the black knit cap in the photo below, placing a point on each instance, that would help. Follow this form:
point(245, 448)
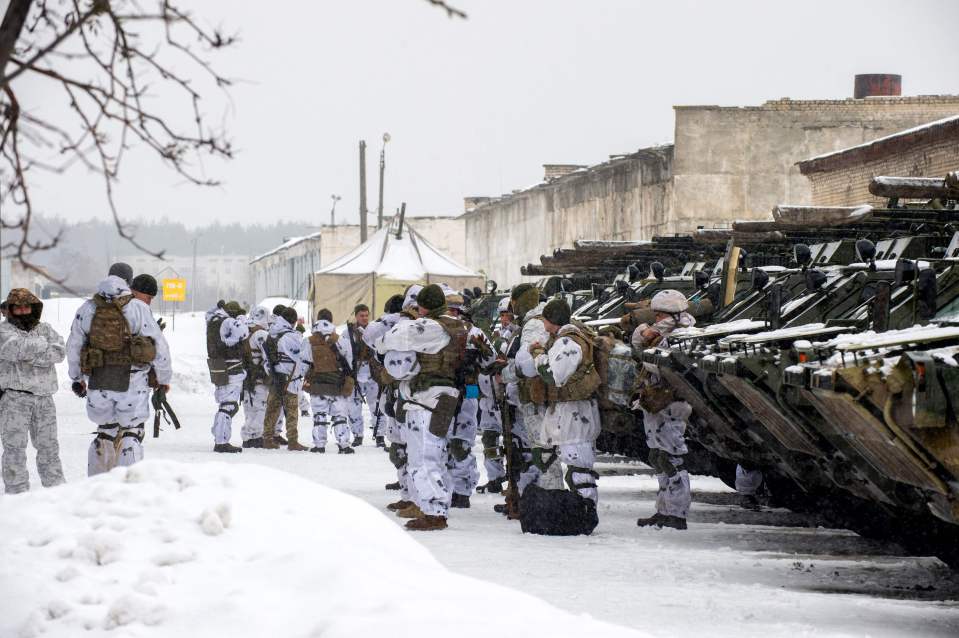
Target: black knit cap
point(394, 304)
point(146, 284)
point(278, 310)
point(557, 312)
point(121, 270)
point(324, 315)
point(431, 298)
point(290, 315)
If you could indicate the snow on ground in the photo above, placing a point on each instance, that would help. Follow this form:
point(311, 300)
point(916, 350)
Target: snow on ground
point(206, 549)
point(733, 573)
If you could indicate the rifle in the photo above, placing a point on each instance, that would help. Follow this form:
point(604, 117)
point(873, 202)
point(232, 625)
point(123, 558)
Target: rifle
point(162, 408)
point(512, 469)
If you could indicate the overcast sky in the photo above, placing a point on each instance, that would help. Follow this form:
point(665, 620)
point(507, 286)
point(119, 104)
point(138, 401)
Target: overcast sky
point(476, 106)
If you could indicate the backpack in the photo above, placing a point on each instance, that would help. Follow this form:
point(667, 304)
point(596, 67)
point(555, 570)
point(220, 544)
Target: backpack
point(556, 512)
point(109, 330)
point(617, 371)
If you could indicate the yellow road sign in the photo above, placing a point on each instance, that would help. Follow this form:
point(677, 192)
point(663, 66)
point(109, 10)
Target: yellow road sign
point(174, 289)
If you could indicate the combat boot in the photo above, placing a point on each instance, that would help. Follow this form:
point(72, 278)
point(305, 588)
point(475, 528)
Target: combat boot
point(674, 522)
point(345, 450)
point(279, 439)
point(294, 446)
point(427, 524)
point(393, 486)
point(654, 520)
point(399, 505)
point(411, 511)
point(270, 444)
point(358, 441)
point(318, 450)
point(461, 501)
point(227, 448)
point(249, 443)
point(493, 486)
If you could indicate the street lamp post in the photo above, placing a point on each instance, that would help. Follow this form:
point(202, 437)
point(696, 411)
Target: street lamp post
point(193, 282)
point(379, 208)
point(335, 199)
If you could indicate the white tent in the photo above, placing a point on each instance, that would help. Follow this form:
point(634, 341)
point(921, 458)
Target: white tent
point(396, 256)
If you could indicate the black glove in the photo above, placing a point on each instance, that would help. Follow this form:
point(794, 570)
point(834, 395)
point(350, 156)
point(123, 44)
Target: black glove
point(161, 323)
point(79, 389)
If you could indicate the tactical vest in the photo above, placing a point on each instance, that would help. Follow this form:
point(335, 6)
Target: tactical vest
point(215, 348)
point(361, 352)
point(327, 377)
point(443, 368)
point(531, 389)
point(110, 348)
point(254, 368)
point(584, 382)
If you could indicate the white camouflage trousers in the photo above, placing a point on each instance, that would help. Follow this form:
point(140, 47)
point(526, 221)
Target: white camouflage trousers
point(748, 482)
point(552, 478)
point(674, 496)
point(395, 433)
point(24, 416)
point(364, 389)
point(426, 460)
point(330, 410)
point(227, 398)
point(254, 410)
point(119, 417)
point(582, 457)
point(462, 463)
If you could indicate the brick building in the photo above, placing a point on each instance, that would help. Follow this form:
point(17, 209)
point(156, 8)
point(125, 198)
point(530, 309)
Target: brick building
point(842, 178)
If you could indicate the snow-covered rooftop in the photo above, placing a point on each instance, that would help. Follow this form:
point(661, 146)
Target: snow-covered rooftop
point(289, 243)
point(826, 160)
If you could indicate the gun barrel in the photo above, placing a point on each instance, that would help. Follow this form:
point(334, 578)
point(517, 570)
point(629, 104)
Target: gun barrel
point(915, 187)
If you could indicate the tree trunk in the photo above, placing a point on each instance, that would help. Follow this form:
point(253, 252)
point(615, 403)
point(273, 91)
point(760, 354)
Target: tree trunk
point(13, 21)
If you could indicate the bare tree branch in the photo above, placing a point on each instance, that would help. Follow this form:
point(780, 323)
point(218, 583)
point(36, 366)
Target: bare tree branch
point(452, 12)
point(109, 58)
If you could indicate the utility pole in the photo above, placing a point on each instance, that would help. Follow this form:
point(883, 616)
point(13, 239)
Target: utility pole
point(335, 199)
point(362, 191)
point(379, 208)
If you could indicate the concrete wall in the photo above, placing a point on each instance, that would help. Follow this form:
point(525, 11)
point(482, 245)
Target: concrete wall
point(624, 198)
point(738, 162)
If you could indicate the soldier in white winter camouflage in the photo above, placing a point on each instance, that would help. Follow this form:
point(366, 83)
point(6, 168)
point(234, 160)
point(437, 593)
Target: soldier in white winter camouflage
point(29, 352)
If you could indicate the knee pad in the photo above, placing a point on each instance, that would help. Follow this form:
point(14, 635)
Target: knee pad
point(319, 419)
point(230, 408)
point(570, 470)
point(103, 435)
point(135, 432)
point(459, 449)
point(398, 455)
point(543, 458)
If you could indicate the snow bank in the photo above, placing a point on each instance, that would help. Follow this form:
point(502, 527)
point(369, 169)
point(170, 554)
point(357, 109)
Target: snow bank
point(211, 549)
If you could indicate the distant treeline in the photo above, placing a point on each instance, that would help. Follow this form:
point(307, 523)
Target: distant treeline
point(175, 238)
point(87, 248)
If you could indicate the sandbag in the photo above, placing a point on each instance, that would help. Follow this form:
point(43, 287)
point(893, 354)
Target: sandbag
point(556, 512)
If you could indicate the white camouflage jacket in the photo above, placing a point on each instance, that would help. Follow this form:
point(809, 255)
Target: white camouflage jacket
point(28, 359)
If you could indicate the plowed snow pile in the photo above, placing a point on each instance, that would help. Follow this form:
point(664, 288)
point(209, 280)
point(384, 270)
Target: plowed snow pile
point(170, 549)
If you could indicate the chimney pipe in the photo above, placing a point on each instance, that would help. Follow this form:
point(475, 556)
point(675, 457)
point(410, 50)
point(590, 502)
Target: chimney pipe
point(877, 85)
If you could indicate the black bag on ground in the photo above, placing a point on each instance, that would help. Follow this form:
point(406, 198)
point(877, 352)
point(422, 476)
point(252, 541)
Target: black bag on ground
point(556, 512)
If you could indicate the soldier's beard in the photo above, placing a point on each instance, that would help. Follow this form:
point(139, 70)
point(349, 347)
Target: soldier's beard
point(24, 322)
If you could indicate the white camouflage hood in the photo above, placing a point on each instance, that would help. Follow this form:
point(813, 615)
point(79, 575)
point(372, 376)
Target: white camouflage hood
point(112, 287)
